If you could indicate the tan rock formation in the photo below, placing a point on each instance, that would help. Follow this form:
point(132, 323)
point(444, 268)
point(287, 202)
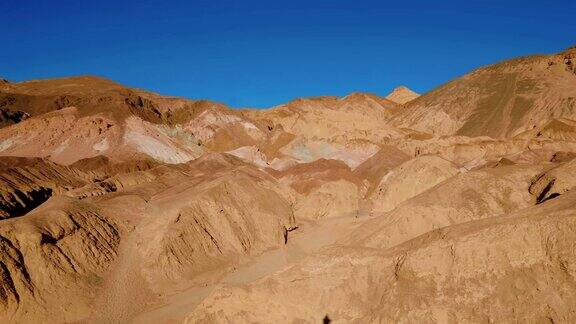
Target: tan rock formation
point(120, 205)
point(402, 95)
point(517, 267)
point(410, 179)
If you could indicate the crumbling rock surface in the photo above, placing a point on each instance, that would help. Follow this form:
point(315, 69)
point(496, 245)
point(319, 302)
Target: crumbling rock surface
point(53, 259)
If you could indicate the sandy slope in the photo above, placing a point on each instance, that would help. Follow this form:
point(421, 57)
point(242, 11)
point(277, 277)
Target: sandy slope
point(518, 268)
point(307, 239)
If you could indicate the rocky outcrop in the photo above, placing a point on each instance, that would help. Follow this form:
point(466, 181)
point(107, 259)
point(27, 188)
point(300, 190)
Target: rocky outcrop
point(27, 183)
point(53, 260)
point(9, 117)
point(554, 182)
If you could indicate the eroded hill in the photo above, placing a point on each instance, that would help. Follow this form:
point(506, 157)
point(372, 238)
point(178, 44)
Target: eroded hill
point(121, 205)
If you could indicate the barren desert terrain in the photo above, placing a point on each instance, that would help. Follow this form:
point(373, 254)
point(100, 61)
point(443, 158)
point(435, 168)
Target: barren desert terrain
point(119, 205)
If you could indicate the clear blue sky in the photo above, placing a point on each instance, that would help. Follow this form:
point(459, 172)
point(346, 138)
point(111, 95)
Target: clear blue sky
point(262, 53)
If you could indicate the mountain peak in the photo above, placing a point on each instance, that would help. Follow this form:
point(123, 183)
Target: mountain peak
point(402, 95)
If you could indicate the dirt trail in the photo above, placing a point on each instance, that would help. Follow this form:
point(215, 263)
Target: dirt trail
point(308, 238)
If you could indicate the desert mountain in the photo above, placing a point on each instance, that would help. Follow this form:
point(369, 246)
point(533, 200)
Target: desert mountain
point(500, 100)
point(402, 95)
point(90, 117)
point(122, 205)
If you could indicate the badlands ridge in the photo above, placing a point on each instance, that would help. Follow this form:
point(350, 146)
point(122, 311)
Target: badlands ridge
point(121, 205)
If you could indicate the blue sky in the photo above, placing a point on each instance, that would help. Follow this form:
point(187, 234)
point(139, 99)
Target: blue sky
point(263, 53)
